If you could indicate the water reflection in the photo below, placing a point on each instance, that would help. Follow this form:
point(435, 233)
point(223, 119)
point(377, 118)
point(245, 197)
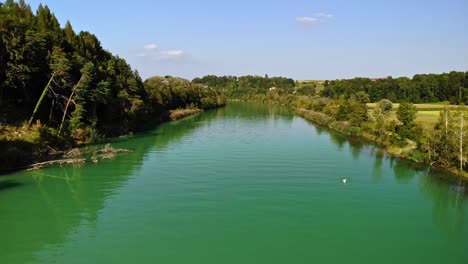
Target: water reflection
point(378, 163)
point(447, 194)
point(8, 184)
point(356, 147)
point(60, 199)
point(43, 208)
point(50, 204)
point(404, 171)
point(448, 203)
point(338, 139)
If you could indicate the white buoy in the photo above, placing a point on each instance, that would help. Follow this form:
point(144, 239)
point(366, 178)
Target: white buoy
point(345, 180)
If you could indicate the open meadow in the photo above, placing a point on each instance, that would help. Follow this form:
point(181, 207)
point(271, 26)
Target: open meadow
point(428, 114)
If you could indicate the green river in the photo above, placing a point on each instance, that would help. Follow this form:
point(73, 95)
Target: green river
point(248, 183)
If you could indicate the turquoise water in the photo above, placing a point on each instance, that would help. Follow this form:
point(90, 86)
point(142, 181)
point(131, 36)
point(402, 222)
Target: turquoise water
point(247, 183)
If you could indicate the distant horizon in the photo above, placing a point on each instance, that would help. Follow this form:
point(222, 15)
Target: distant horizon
point(325, 40)
point(317, 80)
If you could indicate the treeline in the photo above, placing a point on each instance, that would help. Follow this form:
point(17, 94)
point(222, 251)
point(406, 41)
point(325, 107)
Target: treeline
point(422, 88)
point(70, 83)
point(172, 93)
point(60, 88)
point(245, 86)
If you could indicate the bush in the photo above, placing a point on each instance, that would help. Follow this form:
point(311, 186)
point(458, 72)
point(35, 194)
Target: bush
point(385, 105)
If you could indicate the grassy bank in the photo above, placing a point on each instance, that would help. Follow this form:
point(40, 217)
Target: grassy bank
point(22, 145)
point(182, 113)
point(410, 151)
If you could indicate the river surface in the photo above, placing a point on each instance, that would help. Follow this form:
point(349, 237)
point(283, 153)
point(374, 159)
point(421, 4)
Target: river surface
point(248, 183)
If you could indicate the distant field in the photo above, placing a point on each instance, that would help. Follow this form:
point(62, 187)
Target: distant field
point(318, 84)
point(423, 107)
point(428, 114)
point(427, 119)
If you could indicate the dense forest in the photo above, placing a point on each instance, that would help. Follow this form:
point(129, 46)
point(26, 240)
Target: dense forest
point(422, 88)
point(245, 86)
point(61, 88)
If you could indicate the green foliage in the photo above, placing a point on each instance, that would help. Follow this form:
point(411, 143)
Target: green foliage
point(306, 88)
point(385, 105)
point(168, 93)
point(448, 145)
point(358, 115)
point(362, 97)
point(248, 86)
point(352, 111)
point(422, 88)
point(407, 113)
point(105, 97)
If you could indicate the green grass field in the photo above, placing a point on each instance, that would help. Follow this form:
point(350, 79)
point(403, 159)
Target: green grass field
point(427, 119)
point(423, 107)
point(428, 114)
point(318, 84)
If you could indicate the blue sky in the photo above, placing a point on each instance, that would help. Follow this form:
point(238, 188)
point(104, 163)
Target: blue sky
point(321, 39)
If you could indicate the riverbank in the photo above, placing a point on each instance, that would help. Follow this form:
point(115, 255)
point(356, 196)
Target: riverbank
point(409, 152)
point(21, 147)
point(248, 167)
point(182, 113)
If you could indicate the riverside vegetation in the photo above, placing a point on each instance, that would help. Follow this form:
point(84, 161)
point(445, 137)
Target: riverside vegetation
point(342, 105)
point(60, 89)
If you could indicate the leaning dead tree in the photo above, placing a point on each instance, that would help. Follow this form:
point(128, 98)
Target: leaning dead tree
point(70, 100)
point(41, 165)
point(39, 102)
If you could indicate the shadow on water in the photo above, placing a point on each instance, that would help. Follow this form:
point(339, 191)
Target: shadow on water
point(448, 203)
point(44, 207)
point(446, 193)
point(339, 140)
point(53, 202)
point(378, 163)
point(9, 184)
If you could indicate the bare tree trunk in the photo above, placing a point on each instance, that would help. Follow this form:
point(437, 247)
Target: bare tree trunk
point(461, 140)
point(446, 128)
point(38, 104)
point(448, 117)
point(65, 112)
point(66, 107)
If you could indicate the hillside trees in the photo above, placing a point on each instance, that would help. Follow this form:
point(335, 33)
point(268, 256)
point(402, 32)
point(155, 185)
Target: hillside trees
point(406, 114)
point(248, 86)
point(422, 88)
point(69, 82)
point(171, 93)
point(449, 143)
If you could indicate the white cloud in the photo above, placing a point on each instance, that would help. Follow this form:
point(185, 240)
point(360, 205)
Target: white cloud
point(317, 18)
point(152, 51)
point(307, 20)
point(173, 53)
point(151, 46)
point(323, 15)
